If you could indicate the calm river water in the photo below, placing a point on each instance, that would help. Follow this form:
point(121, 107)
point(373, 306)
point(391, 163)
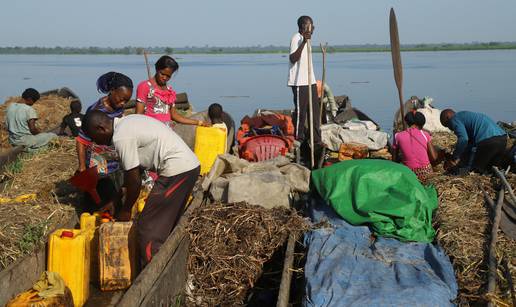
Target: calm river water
point(483, 81)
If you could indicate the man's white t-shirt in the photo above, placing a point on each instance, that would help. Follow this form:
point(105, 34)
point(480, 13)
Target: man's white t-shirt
point(298, 72)
point(141, 140)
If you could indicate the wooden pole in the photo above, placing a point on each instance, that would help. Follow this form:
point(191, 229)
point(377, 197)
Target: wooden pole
point(396, 61)
point(505, 183)
point(509, 280)
point(147, 65)
point(492, 263)
point(323, 50)
point(286, 275)
point(310, 102)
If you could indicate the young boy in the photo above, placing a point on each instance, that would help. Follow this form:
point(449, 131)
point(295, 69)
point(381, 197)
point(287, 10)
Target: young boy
point(73, 120)
point(215, 115)
point(220, 119)
point(21, 123)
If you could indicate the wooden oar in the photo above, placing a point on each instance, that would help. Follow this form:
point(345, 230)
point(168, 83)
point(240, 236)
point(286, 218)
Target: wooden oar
point(310, 102)
point(396, 61)
point(147, 65)
point(323, 50)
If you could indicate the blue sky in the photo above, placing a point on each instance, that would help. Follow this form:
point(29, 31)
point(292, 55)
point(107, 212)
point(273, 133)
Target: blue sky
point(118, 23)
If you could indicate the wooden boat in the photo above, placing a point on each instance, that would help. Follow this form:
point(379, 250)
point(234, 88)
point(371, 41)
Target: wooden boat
point(161, 283)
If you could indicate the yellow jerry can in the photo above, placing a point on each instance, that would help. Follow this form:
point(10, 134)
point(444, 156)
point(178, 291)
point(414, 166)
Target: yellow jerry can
point(117, 255)
point(89, 224)
point(209, 143)
point(69, 255)
point(89, 221)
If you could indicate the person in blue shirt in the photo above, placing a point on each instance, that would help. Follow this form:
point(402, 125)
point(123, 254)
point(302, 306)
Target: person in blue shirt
point(474, 130)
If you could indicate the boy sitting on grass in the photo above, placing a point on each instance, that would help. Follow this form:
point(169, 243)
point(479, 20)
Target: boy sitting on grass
point(73, 120)
point(21, 123)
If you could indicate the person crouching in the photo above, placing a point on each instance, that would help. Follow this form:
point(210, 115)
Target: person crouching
point(474, 131)
point(416, 147)
point(144, 142)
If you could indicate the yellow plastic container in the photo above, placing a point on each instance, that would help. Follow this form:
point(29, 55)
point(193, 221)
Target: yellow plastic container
point(117, 255)
point(69, 255)
point(89, 221)
point(89, 225)
point(209, 143)
point(140, 202)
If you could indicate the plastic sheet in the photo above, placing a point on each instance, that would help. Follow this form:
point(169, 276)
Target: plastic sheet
point(345, 267)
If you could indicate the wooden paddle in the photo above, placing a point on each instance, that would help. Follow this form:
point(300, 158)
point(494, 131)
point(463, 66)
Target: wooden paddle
point(310, 102)
point(323, 50)
point(147, 64)
point(396, 61)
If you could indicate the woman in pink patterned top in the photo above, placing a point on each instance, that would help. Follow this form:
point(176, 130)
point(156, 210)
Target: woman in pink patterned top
point(156, 99)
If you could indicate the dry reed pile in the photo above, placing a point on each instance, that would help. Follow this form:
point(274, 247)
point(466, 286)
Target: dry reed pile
point(229, 246)
point(24, 225)
point(463, 224)
point(50, 109)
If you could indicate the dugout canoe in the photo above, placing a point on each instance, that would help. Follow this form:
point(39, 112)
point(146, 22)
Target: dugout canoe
point(161, 283)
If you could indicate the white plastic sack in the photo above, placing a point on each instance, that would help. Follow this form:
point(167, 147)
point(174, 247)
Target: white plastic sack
point(267, 184)
point(433, 119)
point(266, 189)
point(334, 135)
point(298, 177)
point(359, 125)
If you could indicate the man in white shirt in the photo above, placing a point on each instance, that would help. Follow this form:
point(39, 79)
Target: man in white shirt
point(298, 80)
point(144, 142)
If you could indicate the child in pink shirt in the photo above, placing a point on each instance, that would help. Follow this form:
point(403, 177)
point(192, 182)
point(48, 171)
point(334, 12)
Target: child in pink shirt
point(415, 145)
point(156, 99)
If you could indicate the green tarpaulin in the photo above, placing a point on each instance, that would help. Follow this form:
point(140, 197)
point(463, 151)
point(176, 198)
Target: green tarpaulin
point(385, 195)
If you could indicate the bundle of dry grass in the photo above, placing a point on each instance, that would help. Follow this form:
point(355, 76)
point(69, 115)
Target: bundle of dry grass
point(23, 226)
point(50, 109)
point(229, 245)
point(463, 226)
point(444, 140)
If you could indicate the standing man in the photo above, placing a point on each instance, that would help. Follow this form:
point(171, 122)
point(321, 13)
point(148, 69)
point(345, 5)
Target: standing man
point(299, 82)
point(144, 142)
point(474, 130)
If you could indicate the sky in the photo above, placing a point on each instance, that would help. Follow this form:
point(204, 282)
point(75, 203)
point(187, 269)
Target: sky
point(118, 23)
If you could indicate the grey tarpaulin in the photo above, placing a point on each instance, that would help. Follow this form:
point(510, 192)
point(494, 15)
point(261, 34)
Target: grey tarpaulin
point(268, 183)
point(333, 135)
point(346, 267)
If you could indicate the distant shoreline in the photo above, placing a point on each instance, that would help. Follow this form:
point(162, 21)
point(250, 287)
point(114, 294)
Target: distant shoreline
point(248, 50)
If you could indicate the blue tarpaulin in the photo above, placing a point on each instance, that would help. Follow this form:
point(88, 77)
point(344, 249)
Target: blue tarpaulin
point(345, 266)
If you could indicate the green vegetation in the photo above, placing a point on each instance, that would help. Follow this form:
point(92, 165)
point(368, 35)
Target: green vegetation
point(11, 169)
point(32, 236)
point(16, 166)
point(254, 49)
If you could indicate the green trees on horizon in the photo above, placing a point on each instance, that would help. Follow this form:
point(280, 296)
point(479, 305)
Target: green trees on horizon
point(251, 49)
